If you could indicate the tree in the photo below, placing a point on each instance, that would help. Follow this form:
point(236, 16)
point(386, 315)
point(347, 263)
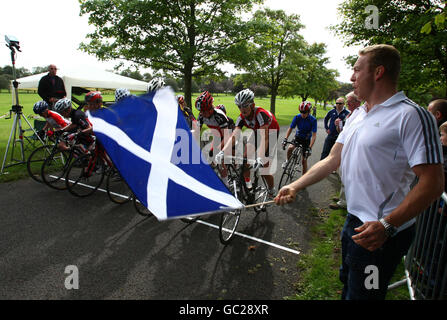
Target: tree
point(312, 78)
point(274, 35)
point(187, 38)
point(424, 54)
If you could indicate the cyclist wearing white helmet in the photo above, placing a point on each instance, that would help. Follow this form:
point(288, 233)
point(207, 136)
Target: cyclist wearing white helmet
point(79, 121)
point(121, 93)
point(306, 133)
point(255, 118)
point(155, 84)
point(54, 120)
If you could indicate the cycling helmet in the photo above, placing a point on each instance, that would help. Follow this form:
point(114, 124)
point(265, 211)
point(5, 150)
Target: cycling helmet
point(40, 107)
point(222, 107)
point(305, 106)
point(121, 93)
point(93, 96)
point(62, 105)
point(243, 97)
point(204, 102)
point(155, 84)
point(180, 99)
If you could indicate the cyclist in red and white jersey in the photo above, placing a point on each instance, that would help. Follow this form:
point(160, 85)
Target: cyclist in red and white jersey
point(259, 120)
point(215, 119)
point(54, 121)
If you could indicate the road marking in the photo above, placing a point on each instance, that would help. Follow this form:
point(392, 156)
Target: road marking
point(252, 238)
point(217, 227)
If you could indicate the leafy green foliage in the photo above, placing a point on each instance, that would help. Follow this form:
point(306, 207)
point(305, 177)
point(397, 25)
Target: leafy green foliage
point(187, 38)
point(424, 54)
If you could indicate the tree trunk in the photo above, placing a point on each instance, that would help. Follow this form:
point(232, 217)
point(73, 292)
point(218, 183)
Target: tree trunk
point(188, 84)
point(273, 101)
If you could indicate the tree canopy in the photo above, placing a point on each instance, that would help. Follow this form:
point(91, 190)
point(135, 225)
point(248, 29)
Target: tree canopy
point(187, 38)
point(403, 24)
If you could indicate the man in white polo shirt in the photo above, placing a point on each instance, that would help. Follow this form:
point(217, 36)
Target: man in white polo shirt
point(386, 143)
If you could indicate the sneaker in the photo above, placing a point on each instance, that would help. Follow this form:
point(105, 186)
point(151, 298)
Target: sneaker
point(272, 192)
point(342, 204)
point(284, 164)
point(334, 206)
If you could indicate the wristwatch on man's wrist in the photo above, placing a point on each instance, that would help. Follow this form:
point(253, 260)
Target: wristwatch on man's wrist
point(390, 230)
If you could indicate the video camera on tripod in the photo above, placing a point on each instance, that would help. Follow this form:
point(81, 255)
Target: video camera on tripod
point(12, 42)
point(17, 131)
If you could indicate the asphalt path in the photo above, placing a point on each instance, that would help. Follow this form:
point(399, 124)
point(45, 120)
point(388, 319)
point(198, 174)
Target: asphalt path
point(121, 255)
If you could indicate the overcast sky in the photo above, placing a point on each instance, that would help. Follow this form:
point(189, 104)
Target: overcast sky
point(50, 31)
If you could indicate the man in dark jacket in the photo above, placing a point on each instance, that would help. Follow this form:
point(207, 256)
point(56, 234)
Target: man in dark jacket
point(51, 87)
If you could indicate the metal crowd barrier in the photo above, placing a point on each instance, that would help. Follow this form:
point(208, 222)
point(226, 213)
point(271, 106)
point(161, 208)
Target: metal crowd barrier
point(426, 261)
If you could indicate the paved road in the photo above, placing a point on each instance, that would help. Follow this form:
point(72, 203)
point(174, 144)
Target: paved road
point(120, 255)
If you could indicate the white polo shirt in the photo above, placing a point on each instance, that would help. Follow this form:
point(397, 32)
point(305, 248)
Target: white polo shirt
point(379, 149)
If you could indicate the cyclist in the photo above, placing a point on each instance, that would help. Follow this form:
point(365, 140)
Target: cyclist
point(80, 125)
point(306, 133)
point(94, 100)
point(121, 93)
point(187, 113)
point(155, 84)
point(230, 120)
point(257, 119)
point(54, 121)
point(215, 119)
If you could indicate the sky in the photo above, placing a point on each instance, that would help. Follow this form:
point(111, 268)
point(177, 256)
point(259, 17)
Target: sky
point(50, 31)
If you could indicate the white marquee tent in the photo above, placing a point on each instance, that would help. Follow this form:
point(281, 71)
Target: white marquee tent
point(86, 78)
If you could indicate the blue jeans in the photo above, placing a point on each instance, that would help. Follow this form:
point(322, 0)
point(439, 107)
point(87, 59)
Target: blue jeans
point(356, 259)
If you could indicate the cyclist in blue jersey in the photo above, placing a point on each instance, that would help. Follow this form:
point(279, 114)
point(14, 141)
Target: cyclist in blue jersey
point(306, 133)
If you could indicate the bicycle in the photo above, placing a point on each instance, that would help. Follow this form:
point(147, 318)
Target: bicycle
point(117, 189)
point(141, 209)
point(86, 173)
point(294, 165)
point(38, 156)
point(258, 194)
point(55, 166)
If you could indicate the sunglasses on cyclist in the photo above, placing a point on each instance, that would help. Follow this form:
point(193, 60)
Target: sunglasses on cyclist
point(245, 105)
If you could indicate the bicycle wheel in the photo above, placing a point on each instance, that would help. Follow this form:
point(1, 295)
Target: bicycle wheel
point(117, 188)
point(141, 209)
point(54, 169)
point(229, 220)
point(292, 168)
point(36, 160)
point(85, 175)
point(260, 194)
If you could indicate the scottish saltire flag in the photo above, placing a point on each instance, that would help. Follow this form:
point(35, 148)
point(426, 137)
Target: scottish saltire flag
point(151, 145)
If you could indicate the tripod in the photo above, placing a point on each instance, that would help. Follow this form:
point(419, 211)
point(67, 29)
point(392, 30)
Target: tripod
point(17, 122)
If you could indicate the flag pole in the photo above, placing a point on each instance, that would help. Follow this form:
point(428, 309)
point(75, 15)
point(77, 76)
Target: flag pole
point(259, 204)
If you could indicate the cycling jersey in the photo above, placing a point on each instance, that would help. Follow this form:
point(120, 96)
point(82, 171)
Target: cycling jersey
point(79, 118)
point(304, 126)
point(261, 118)
point(218, 121)
point(56, 121)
